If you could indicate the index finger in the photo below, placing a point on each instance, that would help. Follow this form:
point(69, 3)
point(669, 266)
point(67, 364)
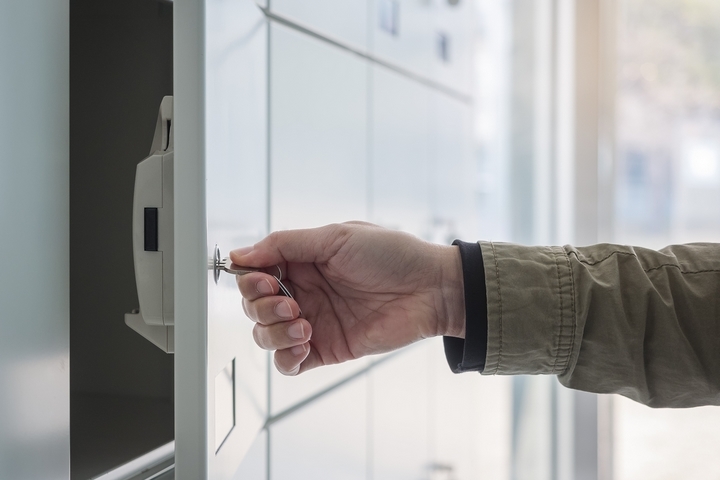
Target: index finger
point(257, 285)
point(312, 245)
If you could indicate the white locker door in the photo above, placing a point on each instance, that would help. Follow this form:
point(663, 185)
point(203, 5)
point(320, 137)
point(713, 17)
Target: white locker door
point(318, 158)
point(454, 174)
point(401, 153)
point(220, 83)
point(344, 21)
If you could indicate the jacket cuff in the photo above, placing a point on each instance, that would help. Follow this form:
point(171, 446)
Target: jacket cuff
point(468, 354)
point(530, 308)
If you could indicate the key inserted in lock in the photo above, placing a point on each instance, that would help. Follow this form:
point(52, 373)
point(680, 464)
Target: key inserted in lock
point(219, 264)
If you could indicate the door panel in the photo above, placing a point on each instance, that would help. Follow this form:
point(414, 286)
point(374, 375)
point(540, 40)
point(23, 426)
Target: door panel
point(402, 34)
point(454, 176)
point(325, 440)
point(452, 52)
point(220, 198)
point(456, 419)
point(400, 391)
point(400, 153)
point(318, 132)
point(254, 465)
point(345, 21)
point(318, 157)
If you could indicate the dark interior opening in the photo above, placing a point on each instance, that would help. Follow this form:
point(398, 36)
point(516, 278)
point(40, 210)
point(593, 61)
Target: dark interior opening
point(121, 385)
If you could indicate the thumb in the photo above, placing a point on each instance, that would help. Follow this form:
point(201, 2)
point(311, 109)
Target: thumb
point(313, 245)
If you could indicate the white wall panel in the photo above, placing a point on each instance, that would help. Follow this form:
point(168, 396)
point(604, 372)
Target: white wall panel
point(401, 153)
point(400, 394)
point(345, 21)
point(325, 440)
point(34, 235)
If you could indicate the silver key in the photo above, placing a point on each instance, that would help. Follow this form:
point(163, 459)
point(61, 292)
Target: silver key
point(226, 265)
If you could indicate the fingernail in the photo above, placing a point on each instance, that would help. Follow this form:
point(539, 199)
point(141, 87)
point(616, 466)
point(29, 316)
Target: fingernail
point(296, 330)
point(264, 287)
point(283, 310)
point(243, 250)
point(298, 350)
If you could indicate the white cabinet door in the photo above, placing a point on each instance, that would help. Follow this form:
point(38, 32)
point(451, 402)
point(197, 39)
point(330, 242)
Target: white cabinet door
point(345, 21)
point(220, 198)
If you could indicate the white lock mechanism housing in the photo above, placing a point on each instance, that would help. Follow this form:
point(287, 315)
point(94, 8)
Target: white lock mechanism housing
point(153, 244)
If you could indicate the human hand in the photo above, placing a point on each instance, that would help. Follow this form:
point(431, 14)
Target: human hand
point(362, 289)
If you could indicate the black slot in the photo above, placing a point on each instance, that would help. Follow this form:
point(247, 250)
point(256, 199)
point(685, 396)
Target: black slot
point(151, 229)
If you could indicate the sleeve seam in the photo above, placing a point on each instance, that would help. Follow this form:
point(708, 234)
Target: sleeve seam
point(562, 310)
point(690, 272)
point(574, 312)
point(617, 252)
point(499, 295)
point(646, 270)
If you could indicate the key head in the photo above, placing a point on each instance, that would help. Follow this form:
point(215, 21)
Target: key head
point(230, 267)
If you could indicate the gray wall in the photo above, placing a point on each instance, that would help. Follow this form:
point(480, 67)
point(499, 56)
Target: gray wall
point(34, 367)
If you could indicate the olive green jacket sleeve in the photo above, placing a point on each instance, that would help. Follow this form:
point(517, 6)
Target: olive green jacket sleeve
point(608, 319)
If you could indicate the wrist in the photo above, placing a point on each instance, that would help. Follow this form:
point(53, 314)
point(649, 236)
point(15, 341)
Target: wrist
point(452, 290)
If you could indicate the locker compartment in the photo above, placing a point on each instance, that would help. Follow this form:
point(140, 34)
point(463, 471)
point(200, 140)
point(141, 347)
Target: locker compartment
point(454, 175)
point(254, 465)
point(453, 45)
point(318, 132)
point(318, 158)
point(402, 33)
point(400, 393)
point(345, 21)
point(401, 153)
point(324, 439)
point(121, 386)
point(470, 421)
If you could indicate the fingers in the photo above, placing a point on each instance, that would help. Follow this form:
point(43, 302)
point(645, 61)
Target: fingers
point(257, 285)
point(298, 359)
point(284, 335)
point(314, 245)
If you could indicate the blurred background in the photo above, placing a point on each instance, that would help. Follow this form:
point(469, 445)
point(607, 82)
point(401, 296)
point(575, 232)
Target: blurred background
point(598, 122)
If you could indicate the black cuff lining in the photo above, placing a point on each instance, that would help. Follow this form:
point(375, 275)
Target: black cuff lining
point(468, 355)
